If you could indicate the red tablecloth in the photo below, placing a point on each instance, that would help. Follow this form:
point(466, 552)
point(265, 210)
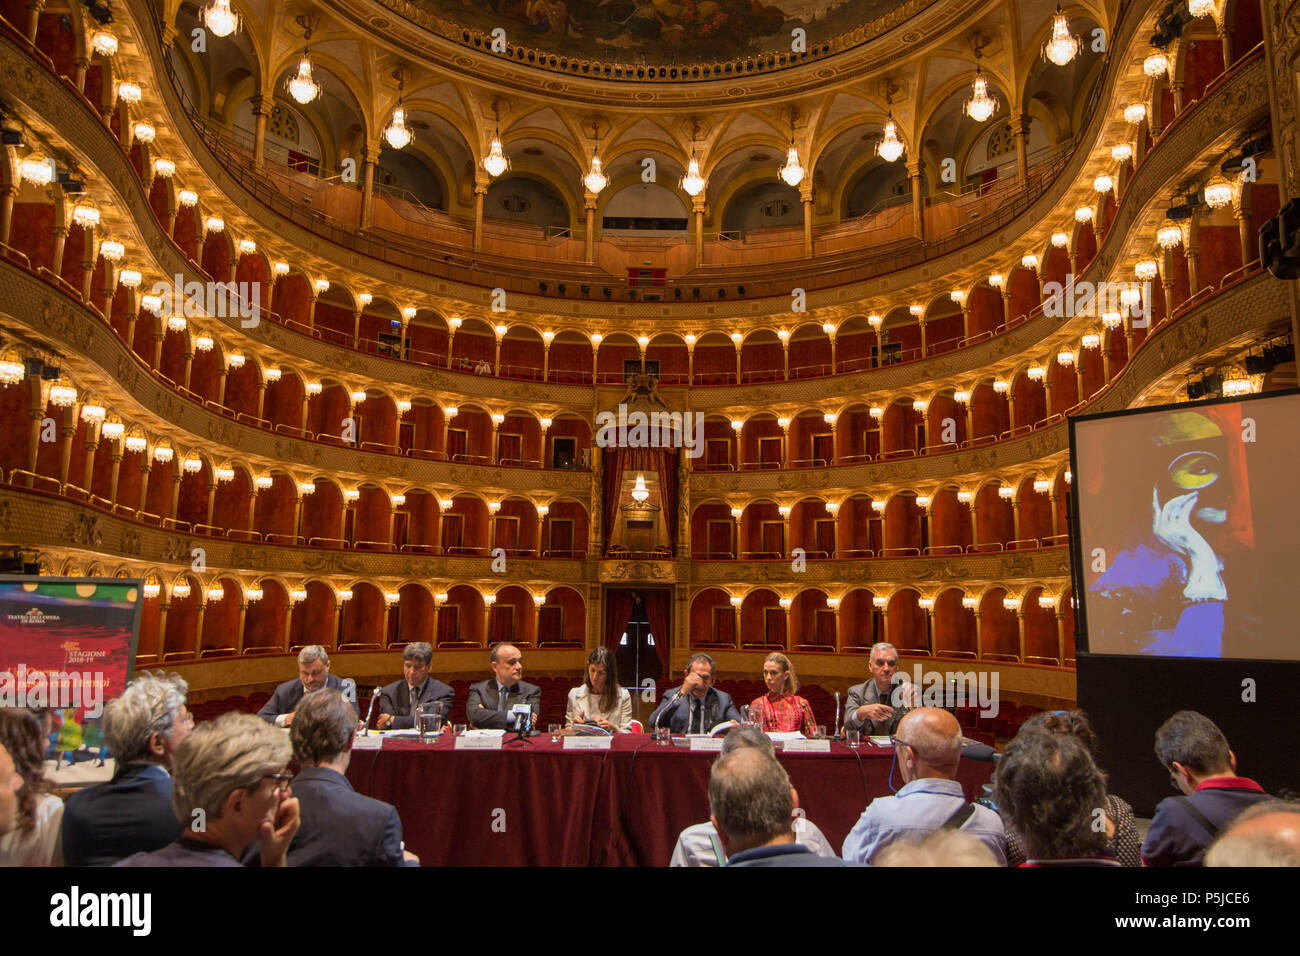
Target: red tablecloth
point(539, 805)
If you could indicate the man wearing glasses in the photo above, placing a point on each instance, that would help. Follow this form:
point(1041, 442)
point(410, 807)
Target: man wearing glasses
point(231, 789)
point(871, 708)
point(928, 749)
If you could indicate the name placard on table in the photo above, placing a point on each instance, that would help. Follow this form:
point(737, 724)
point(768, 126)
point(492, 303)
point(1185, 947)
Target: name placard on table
point(478, 743)
point(710, 744)
point(588, 743)
point(373, 742)
point(807, 746)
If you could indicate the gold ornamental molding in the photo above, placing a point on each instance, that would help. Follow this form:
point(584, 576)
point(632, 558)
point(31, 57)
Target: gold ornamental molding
point(330, 259)
point(100, 361)
point(52, 104)
point(1037, 565)
point(67, 528)
point(874, 45)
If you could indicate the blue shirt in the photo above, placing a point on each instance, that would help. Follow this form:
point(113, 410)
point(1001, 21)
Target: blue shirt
point(919, 809)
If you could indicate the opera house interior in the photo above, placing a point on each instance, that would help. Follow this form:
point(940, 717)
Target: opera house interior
point(334, 321)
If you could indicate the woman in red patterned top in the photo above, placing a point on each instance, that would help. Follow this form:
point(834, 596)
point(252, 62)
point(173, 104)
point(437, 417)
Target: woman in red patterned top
point(779, 710)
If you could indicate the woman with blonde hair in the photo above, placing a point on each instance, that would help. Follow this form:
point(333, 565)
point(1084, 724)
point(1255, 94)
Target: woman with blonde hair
point(779, 710)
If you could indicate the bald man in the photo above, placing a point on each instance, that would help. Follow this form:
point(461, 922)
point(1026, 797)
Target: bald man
point(927, 746)
point(1268, 834)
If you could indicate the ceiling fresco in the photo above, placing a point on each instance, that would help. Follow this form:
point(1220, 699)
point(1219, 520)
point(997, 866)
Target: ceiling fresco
point(660, 31)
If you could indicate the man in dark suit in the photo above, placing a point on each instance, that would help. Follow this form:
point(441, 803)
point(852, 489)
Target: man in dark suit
point(697, 706)
point(878, 705)
point(340, 827)
point(398, 700)
point(143, 727)
point(489, 702)
point(313, 675)
point(751, 805)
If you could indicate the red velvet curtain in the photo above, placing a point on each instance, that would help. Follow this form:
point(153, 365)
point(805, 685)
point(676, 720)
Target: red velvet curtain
point(614, 459)
point(618, 611)
point(658, 609)
point(666, 466)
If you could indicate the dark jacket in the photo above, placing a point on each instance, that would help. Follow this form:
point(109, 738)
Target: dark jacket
point(340, 827)
point(1177, 838)
point(395, 699)
point(287, 695)
point(129, 814)
point(481, 708)
point(676, 711)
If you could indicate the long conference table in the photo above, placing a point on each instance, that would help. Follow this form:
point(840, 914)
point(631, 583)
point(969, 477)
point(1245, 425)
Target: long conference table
point(537, 804)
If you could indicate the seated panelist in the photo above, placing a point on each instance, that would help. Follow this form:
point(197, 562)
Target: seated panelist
point(313, 675)
point(599, 699)
point(780, 710)
point(697, 706)
point(490, 702)
point(398, 701)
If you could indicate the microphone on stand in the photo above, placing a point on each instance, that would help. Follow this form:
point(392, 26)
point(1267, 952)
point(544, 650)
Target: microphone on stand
point(379, 691)
point(839, 732)
point(521, 721)
point(663, 711)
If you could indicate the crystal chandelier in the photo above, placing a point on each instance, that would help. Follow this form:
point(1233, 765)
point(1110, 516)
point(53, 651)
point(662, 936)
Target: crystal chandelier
point(103, 42)
point(981, 106)
point(112, 250)
point(1218, 193)
point(693, 183)
point(1135, 113)
point(890, 148)
point(62, 394)
point(302, 86)
point(495, 162)
point(1156, 64)
point(792, 171)
point(1121, 153)
point(188, 198)
point(164, 168)
point(130, 278)
point(85, 215)
point(128, 92)
point(1063, 46)
point(144, 132)
point(1202, 8)
point(11, 370)
point(220, 19)
point(1169, 234)
point(37, 170)
point(1103, 184)
point(397, 134)
point(640, 492)
point(1146, 270)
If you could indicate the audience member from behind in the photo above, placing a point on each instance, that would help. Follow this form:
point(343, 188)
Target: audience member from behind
point(1267, 834)
point(143, 727)
point(779, 710)
point(398, 701)
point(1120, 827)
point(230, 788)
point(340, 827)
point(34, 839)
point(11, 781)
point(599, 699)
point(942, 848)
point(1195, 752)
point(313, 675)
point(928, 749)
point(751, 805)
point(1048, 790)
point(699, 845)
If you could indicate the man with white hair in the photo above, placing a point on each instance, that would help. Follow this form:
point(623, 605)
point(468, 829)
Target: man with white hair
point(313, 674)
point(872, 706)
point(231, 788)
point(143, 727)
point(1266, 834)
point(928, 749)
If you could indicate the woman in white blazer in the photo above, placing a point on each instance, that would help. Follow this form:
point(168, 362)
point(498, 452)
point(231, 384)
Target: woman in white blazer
point(599, 699)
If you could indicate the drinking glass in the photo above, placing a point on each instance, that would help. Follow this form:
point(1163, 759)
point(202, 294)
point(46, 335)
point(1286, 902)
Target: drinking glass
point(855, 739)
point(555, 733)
point(821, 732)
point(428, 721)
point(459, 729)
point(664, 735)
